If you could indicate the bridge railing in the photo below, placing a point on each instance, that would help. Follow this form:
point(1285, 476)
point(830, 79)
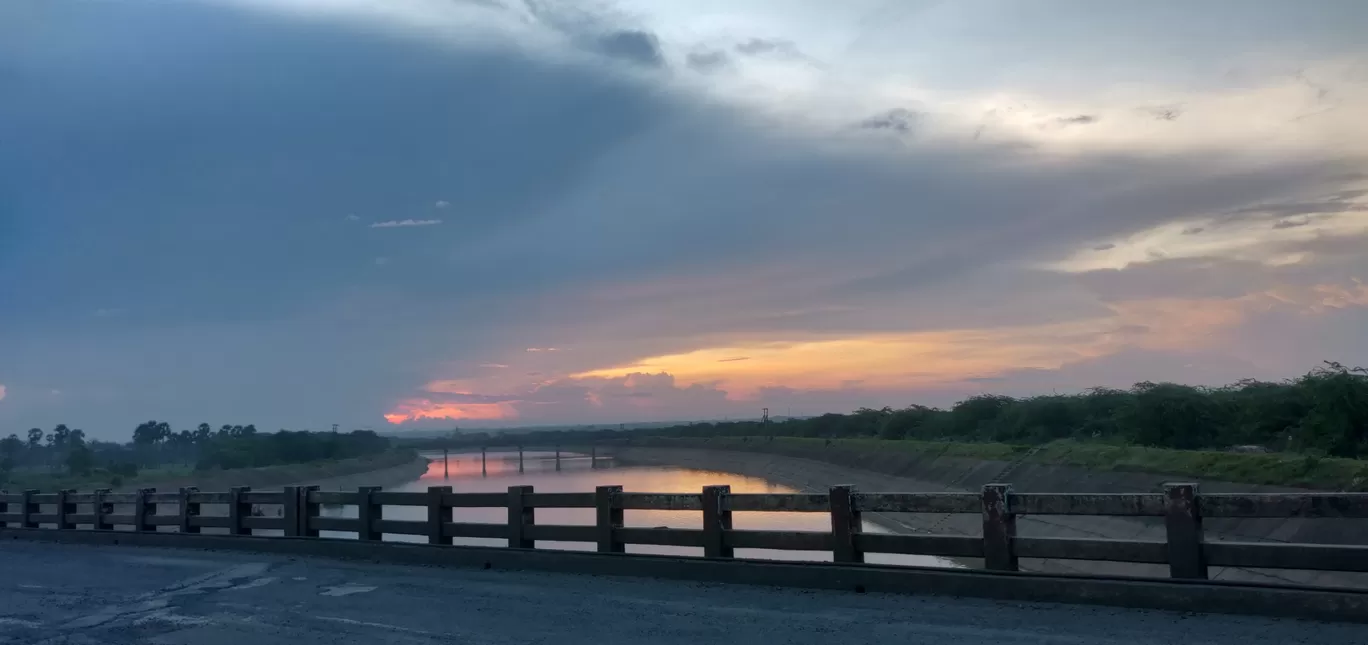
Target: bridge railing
point(298, 515)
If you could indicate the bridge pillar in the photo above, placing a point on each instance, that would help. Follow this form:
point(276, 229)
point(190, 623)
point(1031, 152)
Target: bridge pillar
point(484, 469)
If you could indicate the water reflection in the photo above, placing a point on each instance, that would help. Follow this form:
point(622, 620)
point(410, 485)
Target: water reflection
point(463, 472)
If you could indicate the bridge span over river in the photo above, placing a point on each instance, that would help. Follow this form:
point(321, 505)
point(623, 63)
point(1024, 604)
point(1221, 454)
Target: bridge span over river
point(263, 567)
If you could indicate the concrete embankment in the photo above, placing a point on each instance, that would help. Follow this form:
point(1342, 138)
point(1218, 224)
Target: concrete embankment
point(813, 470)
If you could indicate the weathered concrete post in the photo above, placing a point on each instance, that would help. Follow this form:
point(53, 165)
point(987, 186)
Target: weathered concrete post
point(557, 458)
point(144, 510)
point(367, 513)
point(4, 506)
point(520, 459)
point(28, 510)
point(610, 518)
point(845, 525)
point(446, 464)
point(65, 509)
point(716, 520)
point(999, 528)
point(101, 509)
point(189, 510)
point(237, 510)
point(290, 507)
point(593, 457)
point(308, 509)
point(520, 516)
point(1183, 523)
point(484, 470)
point(438, 514)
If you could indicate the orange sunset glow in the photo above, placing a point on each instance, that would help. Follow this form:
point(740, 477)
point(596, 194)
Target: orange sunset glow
point(416, 409)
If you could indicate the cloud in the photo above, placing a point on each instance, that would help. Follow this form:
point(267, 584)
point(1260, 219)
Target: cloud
point(662, 224)
point(1081, 119)
point(494, 365)
point(406, 223)
point(442, 203)
point(3, 392)
point(353, 218)
point(898, 120)
point(763, 46)
point(639, 47)
point(707, 61)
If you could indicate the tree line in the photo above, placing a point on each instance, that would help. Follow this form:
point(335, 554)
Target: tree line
point(155, 444)
point(1324, 412)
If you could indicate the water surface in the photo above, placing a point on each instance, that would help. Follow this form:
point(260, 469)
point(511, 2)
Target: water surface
point(464, 474)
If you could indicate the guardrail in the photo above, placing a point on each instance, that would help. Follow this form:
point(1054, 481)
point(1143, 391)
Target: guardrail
point(1185, 551)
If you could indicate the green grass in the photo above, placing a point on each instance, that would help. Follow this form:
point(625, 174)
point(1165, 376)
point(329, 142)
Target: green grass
point(1275, 469)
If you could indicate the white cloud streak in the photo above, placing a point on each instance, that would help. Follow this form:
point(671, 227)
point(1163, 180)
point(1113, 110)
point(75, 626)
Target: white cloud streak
point(405, 223)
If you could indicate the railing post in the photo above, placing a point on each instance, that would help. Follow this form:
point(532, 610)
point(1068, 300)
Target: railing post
point(999, 528)
point(520, 516)
point(237, 510)
point(438, 514)
point(290, 510)
point(98, 508)
point(28, 509)
point(144, 510)
point(610, 518)
point(4, 506)
point(367, 512)
point(716, 521)
point(845, 525)
point(308, 509)
point(1183, 523)
point(65, 509)
point(188, 510)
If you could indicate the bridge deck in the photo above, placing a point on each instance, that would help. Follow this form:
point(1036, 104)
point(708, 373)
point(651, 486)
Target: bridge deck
point(119, 595)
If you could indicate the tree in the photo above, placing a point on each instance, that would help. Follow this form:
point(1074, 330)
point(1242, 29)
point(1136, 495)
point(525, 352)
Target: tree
point(80, 460)
point(203, 433)
point(35, 438)
point(9, 452)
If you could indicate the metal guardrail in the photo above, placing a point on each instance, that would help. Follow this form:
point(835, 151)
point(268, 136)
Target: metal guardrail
point(1185, 551)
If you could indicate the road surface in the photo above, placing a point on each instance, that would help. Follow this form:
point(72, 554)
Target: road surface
point(82, 595)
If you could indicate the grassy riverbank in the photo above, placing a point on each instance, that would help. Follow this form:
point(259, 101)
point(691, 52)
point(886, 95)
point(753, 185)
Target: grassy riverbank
point(1273, 469)
point(220, 479)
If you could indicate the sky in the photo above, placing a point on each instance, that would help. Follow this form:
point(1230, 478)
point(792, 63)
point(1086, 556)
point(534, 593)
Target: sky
point(482, 213)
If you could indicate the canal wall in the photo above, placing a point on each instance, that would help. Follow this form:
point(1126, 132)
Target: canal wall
point(904, 472)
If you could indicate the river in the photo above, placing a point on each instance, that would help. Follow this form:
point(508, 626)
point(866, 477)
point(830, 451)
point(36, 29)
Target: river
point(463, 473)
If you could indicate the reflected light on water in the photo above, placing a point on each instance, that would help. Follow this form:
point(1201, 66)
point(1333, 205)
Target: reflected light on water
point(463, 473)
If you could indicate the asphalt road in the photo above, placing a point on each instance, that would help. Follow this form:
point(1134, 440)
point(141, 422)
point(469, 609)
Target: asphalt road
point(81, 595)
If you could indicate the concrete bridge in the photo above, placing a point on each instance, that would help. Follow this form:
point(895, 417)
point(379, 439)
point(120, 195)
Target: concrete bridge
point(72, 573)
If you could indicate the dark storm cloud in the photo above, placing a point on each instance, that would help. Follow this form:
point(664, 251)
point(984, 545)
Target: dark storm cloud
point(900, 120)
point(640, 47)
point(708, 61)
